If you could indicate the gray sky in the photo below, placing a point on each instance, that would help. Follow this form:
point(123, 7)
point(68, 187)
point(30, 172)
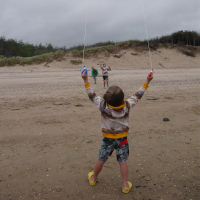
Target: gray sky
point(62, 22)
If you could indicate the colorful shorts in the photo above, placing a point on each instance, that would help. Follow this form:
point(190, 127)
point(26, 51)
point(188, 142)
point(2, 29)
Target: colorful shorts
point(108, 146)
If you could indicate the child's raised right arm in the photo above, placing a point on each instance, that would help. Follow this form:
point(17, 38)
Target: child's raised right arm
point(138, 95)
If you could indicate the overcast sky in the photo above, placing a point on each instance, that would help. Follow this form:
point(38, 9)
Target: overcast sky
point(62, 22)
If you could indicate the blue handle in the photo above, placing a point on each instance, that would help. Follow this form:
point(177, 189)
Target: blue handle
point(84, 70)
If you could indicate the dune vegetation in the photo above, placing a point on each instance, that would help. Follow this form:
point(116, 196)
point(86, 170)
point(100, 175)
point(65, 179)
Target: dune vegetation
point(18, 53)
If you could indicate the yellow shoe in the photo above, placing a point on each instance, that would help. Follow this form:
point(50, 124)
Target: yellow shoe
point(89, 177)
point(127, 190)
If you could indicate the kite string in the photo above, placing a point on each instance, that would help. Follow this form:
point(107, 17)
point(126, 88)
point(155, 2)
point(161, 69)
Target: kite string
point(85, 33)
point(145, 30)
point(146, 33)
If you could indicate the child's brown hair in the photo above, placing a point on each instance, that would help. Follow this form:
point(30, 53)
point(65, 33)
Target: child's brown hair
point(114, 96)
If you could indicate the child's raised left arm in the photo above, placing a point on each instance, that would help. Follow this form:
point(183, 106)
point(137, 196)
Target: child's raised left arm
point(85, 77)
point(91, 94)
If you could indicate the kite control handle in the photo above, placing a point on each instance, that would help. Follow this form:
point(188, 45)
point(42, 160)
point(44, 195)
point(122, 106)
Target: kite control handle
point(84, 70)
point(151, 73)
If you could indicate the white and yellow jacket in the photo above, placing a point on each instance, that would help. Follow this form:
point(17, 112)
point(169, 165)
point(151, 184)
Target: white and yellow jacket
point(115, 120)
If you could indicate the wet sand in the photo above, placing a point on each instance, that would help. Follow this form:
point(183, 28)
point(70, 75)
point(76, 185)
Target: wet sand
point(50, 136)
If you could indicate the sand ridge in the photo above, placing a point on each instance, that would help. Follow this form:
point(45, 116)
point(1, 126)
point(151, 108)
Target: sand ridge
point(50, 131)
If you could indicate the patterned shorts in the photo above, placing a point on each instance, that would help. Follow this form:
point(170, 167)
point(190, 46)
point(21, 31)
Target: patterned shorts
point(108, 146)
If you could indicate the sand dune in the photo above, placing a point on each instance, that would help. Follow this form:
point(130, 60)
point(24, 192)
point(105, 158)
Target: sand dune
point(50, 131)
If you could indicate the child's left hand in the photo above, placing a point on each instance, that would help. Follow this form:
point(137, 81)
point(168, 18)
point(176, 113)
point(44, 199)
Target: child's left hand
point(84, 76)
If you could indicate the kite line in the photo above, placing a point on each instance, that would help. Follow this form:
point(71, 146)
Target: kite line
point(85, 33)
point(86, 13)
point(146, 33)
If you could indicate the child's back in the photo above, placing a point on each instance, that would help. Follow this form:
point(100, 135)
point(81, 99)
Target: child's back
point(115, 126)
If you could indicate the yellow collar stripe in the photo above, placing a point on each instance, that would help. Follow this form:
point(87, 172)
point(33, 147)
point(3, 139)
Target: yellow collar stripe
point(118, 107)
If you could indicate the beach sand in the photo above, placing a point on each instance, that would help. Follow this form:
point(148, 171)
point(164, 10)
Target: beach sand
point(50, 131)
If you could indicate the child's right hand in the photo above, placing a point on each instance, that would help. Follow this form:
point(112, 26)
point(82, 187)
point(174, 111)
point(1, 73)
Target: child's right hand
point(149, 77)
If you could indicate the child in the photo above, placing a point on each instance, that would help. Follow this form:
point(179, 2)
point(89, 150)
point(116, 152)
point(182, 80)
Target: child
point(94, 74)
point(105, 74)
point(115, 126)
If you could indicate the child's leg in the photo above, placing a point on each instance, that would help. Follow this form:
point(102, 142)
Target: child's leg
point(124, 173)
point(94, 77)
point(97, 169)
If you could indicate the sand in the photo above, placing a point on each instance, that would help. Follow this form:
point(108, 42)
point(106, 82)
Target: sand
point(50, 131)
